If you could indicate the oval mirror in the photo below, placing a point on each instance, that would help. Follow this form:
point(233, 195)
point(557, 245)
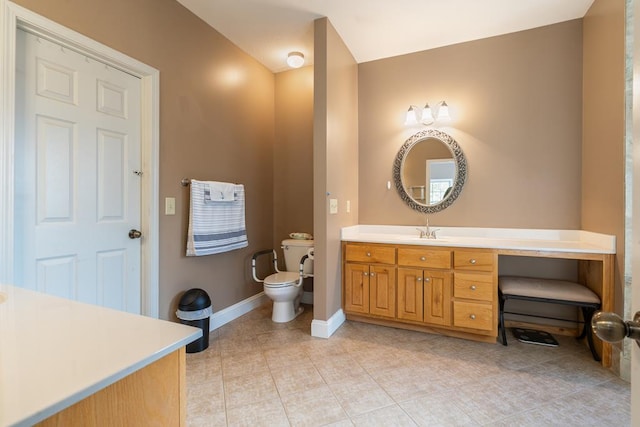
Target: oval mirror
point(429, 171)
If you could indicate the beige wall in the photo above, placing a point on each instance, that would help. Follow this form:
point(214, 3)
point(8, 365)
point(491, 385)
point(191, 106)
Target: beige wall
point(335, 160)
point(603, 153)
point(293, 154)
point(516, 101)
point(211, 93)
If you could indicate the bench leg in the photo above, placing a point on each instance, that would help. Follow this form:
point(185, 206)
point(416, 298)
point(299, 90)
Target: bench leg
point(587, 314)
point(501, 327)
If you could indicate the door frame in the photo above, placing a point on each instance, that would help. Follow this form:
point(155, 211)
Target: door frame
point(14, 17)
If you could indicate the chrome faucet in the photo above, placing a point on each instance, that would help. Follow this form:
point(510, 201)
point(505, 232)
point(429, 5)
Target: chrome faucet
point(427, 232)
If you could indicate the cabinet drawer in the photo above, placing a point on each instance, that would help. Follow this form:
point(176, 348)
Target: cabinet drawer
point(426, 258)
point(473, 315)
point(474, 286)
point(371, 253)
point(474, 260)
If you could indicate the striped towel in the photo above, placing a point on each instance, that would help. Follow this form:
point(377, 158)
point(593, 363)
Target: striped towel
point(215, 227)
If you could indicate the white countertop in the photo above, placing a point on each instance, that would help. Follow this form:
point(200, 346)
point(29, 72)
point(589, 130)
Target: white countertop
point(493, 238)
point(55, 352)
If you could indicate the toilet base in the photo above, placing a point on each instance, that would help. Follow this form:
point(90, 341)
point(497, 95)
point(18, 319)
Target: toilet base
point(284, 312)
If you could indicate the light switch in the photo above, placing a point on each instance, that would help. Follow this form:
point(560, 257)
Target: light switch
point(348, 206)
point(333, 206)
point(170, 206)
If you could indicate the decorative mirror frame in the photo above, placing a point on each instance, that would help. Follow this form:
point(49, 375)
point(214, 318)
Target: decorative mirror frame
point(461, 170)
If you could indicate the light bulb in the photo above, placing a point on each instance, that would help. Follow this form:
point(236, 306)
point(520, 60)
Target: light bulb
point(443, 112)
point(427, 115)
point(295, 59)
point(411, 119)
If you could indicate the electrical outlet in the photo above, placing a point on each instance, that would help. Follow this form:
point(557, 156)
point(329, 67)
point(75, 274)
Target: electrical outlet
point(170, 206)
point(333, 206)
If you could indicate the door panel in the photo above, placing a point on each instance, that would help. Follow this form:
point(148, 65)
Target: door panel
point(410, 298)
point(55, 143)
point(77, 196)
point(437, 297)
point(382, 291)
point(356, 280)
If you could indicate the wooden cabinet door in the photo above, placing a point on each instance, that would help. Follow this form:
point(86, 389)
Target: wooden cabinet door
point(356, 288)
point(382, 291)
point(437, 297)
point(410, 294)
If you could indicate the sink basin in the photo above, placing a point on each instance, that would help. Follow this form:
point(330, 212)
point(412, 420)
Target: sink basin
point(3, 297)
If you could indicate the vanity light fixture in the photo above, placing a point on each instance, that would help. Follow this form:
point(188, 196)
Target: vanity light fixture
point(295, 59)
point(426, 115)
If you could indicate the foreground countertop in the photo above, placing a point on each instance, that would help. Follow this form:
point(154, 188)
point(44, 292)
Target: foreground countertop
point(55, 352)
point(508, 239)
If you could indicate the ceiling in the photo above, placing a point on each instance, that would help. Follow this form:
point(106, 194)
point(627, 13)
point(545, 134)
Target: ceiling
point(373, 29)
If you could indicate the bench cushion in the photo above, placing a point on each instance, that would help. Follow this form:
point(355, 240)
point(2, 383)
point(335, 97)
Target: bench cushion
point(547, 288)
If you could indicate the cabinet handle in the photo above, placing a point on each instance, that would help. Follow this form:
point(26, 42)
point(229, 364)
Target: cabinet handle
point(373, 274)
point(365, 273)
point(368, 253)
point(472, 287)
point(472, 261)
point(426, 279)
point(423, 258)
point(419, 279)
point(472, 317)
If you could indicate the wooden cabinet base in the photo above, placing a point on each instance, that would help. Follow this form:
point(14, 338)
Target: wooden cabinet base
point(154, 395)
point(421, 328)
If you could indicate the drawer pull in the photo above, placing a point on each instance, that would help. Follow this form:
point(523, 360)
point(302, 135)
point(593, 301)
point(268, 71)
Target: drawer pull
point(423, 258)
point(472, 287)
point(472, 317)
point(368, 253)
point(472, 261)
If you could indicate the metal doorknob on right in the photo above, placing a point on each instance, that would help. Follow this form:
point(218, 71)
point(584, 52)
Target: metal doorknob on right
point(612, 328)
point(134, 234)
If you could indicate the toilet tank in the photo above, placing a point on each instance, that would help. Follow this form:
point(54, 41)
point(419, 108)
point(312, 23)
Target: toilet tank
point(294, 250)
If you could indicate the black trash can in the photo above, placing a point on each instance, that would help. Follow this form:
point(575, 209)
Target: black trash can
point(194, 309)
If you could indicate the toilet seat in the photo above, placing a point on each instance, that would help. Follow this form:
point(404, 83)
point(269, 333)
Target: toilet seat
point(282, 279)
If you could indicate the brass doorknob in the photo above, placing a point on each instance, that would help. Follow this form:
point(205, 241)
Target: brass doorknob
point(612, 328)
point(135, 234)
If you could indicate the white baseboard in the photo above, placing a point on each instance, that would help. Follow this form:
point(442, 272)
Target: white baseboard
point(326, 328)
point(236, 310)
point(307, 298)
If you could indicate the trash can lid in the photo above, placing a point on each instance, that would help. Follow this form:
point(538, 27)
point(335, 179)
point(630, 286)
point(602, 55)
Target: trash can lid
point(194, 299)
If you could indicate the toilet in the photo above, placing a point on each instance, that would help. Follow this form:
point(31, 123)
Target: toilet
point(284, 288)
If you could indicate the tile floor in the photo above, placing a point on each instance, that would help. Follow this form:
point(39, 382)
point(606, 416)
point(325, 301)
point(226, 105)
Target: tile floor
point(259, 373)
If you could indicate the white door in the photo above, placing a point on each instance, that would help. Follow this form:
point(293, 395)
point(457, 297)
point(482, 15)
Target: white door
point(77, 183)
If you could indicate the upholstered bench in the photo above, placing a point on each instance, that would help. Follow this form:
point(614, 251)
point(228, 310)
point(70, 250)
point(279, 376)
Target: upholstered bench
point(549, 291)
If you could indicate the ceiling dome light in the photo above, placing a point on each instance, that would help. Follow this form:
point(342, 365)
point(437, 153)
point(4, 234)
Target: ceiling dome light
point(295, 59)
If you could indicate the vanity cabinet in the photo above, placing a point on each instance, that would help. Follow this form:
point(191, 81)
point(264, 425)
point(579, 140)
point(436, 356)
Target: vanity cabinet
point(370, 280)
point(438, 289)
